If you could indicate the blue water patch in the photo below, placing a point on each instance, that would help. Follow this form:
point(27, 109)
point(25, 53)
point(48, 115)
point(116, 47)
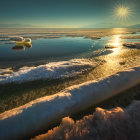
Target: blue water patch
point(48, 48)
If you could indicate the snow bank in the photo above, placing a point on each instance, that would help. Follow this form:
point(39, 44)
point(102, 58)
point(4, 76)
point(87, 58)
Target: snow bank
point(52, 70)
point(32, 117)
point(115, 124)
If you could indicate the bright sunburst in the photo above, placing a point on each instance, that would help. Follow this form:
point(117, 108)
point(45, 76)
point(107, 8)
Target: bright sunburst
point(122, 11)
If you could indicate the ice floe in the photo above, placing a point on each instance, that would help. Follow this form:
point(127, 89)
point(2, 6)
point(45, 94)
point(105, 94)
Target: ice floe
point(20, 39)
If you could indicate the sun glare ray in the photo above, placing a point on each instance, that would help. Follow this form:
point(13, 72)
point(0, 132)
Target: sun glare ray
point(122, 11)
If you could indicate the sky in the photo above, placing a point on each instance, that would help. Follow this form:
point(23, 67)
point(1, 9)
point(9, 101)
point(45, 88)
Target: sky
point(67, 13)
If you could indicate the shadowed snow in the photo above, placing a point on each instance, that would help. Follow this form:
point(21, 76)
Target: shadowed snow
point(115, 124)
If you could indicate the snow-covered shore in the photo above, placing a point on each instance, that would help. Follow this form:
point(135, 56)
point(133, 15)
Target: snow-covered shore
point(30, 118)
point(52, 70)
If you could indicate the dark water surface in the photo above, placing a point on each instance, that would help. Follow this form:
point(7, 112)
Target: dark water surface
point(46, 48)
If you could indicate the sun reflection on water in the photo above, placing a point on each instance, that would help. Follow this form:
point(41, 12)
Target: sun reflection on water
point(117, 40)
point(113, 60)
point(115, 44)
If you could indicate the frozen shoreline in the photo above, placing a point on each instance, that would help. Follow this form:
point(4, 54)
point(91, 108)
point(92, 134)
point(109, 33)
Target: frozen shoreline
point(52, 70)
point(38, 114)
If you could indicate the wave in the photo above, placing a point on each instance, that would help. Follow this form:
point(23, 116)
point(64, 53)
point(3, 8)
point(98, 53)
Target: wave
point(53, 70)
point(36, 115)
point(115, 124)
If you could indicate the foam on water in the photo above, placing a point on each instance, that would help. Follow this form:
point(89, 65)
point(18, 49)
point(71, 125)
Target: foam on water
point(36, 115)
point(53, 70)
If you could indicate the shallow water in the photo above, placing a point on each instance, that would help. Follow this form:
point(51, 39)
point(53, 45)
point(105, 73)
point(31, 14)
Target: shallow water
point(46, 48)
point(57, 49)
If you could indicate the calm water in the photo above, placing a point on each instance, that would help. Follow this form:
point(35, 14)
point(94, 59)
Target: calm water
point(47, 49)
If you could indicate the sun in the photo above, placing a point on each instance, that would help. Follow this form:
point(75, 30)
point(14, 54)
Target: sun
point(122, 11)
